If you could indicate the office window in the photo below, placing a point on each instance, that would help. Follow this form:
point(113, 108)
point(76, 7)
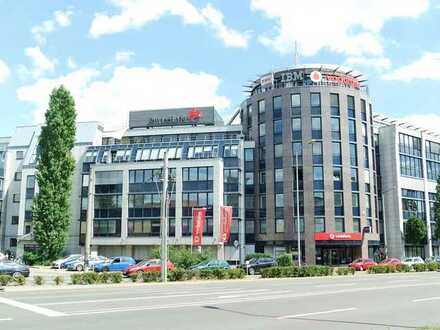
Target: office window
point(337, 178)
point(261, 109)
point(12, 242)
point(354, 179)
point(315, 103)
point(339, 225)
point(410, 145)
point(368, 205)
point(230, 150)
point(366, 157)
point(356, 225)
point(278, 150)
point(278, 127)
point(17, 176)
point(262, 201)
point(249, 115)
point(339, 203)
point(350, 106)
point(249, 155)
point(296, 128)
point(277, 103)
point(279, 200)
point(334, 104)
point(300, 178)
point(336, 153)
point(263, 226)
point(279, 175)
point(14, 220)
point(279, 225)
point(432, 150)
point(352, 130)
point(336, 128)
point(364, 133)
point(411, 166)
point(318, 178)
point(353, 155)
point(319, 225)
point(301, 224)
point(295, 100)
point(19, 155)
point(262, 129)
point(355, 204)
point(363, 110)
point(262, 177)
point(318, 198)
point(316, 128)
point(16, 198)
point(413, 204)
point(317, 152)
point(249, 178)
point(297, 149)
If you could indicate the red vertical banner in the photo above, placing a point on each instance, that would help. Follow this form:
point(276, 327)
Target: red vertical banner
point(225, 223)
point(198, 222)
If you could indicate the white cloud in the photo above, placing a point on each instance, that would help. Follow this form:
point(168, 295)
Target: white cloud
point(137, 13)
point(430, 121)
point(4, 71)
point(124, 56)
point(109, 100)
point(349, 27)
point(40, 62)
point(71, 64)
point(59, 19)
point(427, 67)
point(380, 63)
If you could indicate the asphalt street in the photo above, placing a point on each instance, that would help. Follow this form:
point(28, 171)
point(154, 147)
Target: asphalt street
point(389, 301)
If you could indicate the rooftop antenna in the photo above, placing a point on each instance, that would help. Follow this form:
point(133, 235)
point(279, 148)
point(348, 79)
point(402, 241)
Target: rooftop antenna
point(296, 55)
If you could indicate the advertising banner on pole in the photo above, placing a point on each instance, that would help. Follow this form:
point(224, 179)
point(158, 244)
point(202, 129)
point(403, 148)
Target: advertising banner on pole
point(225, 223)
point(198, 224)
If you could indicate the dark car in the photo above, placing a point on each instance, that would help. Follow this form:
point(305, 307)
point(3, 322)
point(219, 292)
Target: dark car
point(211, 264)
point(13, 269)
point(255, 265)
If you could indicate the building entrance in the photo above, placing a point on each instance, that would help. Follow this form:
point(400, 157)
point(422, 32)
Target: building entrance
point(336, 255)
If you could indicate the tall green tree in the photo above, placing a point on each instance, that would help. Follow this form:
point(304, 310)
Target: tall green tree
point(55, 167)
point(436, 214)
point(415, 231)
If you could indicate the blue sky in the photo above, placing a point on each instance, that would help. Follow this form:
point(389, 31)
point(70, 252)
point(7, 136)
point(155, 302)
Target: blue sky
point(119, 55)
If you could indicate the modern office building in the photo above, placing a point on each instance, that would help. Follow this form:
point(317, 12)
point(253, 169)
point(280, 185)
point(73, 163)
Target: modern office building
point(308, 147)
point(320, 116)
point(410, 166)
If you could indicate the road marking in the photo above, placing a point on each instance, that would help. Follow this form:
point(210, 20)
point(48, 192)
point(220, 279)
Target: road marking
point(334, 285)
point(5, 320)
point(252, 294)
point(74, 302)
point(426, 299)
point(31, 308)
point(316, 313)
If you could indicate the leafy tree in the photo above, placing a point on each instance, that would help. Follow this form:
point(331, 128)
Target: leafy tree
point(55, 167)
point(436, 214)
point(415, 231)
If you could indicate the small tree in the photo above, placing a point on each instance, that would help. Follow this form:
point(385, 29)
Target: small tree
point(415, 232)
point(51, 207)
point(436, 215)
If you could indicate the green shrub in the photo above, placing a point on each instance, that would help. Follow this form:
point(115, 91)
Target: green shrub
point(77, 279)
point(432, 266)
point(90, 278)
point(420, 267)
point(5, 280)
point(151, 277)
point(236, 273)
point(220, 273)
point(183, 257)
point(116, 277)
point(31, 258)
point(38, 280)
point(284, 260)
point(206, 274)
point(58, 280)
point(402, 268)
point(257, 256)
point(382, 269)
point(294, 271)
point(135, 277)
point(345, 271)
point(192, 274)
point(103, 277)
point(178, 274)
point(19, 279)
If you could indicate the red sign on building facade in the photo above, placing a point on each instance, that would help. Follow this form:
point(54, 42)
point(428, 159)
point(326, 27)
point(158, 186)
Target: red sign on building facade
point(338, 236)
point(198, 224)
point(225, 223)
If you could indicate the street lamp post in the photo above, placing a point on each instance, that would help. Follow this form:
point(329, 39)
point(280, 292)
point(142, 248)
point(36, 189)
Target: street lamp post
point(298, 227)
point(164, 220)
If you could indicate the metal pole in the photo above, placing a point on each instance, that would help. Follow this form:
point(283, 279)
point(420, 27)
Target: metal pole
point(164, 220)
point(298, 227)
point(89, 220)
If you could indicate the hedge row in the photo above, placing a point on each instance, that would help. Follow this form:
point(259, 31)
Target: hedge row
point(294, 271)
point(96, 278)
point(180, 274)
point(382, 269)
point(14, 280)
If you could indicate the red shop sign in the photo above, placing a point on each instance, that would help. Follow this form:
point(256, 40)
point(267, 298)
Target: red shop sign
point(338, 236)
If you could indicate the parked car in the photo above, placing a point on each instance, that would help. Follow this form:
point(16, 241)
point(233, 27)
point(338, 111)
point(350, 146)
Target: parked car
point(14, 269)
point(115, 264)
point(433, 259)
point(211, 264)
point(149, 265)
point(2, 256)
point(254, 266)
point(362, 264)
point(411, 261)
point(79, 265)
point(390, 261)
point(60, 263)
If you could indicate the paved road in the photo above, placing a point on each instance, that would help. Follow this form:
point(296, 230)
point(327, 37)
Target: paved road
point(395, 301)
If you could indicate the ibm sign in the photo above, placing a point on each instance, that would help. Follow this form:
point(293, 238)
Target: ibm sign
point(173, 117)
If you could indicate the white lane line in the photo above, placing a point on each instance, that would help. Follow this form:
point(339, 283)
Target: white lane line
point(251, 294)
point(74, 302)
point(5, 320)
point(426, 299)
point(316, 313)
point(31, 308)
